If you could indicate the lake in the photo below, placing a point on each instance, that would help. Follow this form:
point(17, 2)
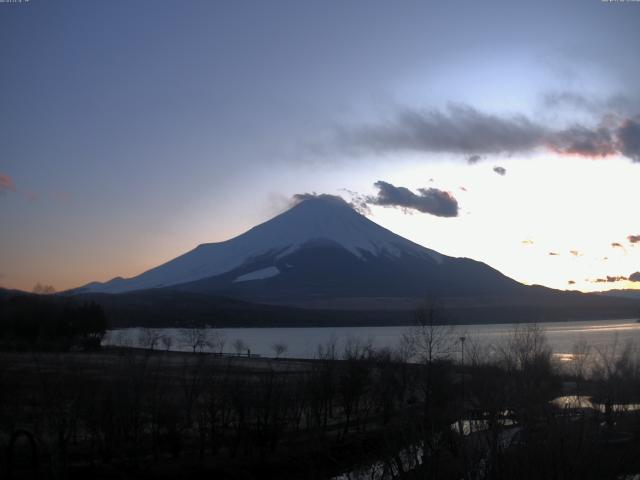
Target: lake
point(303, 342)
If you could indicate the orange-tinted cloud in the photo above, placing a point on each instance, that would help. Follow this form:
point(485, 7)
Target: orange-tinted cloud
point(7, 183)
point(584, 142)
point(618, 245)
point(634, 238)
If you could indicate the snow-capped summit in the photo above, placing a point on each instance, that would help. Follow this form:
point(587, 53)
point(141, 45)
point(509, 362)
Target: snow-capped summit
point(321, 248)
point(328, 218)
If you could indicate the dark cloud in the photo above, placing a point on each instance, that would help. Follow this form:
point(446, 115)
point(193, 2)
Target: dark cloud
point(611, 279)
point(571, 282)
point(500, 171)
point(465, 130)
point(634, 238)
point(553, 254)
point(618, 245)
point(7, 183)
point(430, 200)
point(634, 277)
point(629, 138)
point(582, 141)
point(458, 129)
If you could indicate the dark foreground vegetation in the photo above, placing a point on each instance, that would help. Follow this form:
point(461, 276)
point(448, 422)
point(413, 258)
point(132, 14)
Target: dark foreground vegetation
point(428, 409)
point(39, 322)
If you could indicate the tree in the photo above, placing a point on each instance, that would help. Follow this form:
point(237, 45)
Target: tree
point(239, 346)
point(167, 341)
point(431, 342)
point(216, 341)
point(578, 366)
point(279, 348)
point(431, 338)
point(194, 338)
point(148, 338)
point(526, 357)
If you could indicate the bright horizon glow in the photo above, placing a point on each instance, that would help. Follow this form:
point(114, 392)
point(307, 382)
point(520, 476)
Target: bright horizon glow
point(544, 213)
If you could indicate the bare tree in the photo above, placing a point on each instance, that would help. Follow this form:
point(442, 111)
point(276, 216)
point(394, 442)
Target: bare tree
point(616, 372)
point(279, 348)
point(194, 338)
point(526, 346)
point(579, 364)
point(327, 351)
point(216, 341)
point(239, 346)
point(431, 338)
point(148, 338)
point(167, 341)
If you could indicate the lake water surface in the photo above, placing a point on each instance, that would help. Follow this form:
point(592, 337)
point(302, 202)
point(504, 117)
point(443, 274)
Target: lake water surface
point(303, 342)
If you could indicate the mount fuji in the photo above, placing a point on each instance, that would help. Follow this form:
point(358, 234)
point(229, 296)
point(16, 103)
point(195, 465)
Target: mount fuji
point(319, 249)
point(321, 262)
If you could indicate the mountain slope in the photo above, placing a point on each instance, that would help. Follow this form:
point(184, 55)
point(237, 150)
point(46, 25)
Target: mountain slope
point(322, 244)
point(322, 270)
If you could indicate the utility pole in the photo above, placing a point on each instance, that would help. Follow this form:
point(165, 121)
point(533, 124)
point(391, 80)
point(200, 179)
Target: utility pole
point(462, 339)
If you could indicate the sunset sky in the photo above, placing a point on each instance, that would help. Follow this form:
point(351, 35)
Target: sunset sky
point(507, 132)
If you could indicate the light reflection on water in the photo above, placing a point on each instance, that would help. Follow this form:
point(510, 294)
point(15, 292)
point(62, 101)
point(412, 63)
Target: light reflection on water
point(581, 402)
point(303, 342)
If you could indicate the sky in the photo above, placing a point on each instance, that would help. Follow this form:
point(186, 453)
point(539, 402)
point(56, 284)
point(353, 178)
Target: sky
point(506, 132)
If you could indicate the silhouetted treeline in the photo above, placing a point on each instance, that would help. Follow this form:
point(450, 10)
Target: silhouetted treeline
point(46, 322)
